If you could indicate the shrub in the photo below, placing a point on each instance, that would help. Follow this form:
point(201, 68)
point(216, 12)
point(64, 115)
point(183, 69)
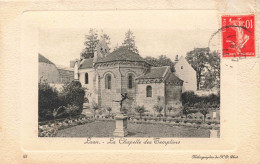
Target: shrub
point(190, 99)
point(48, 131)
point(94, 107)
point(140, 110)
point(109, 109)
point(48, 100)
point(71, 110)
point(73, 93)
point(170, 108)
point(185, 111)
point(198, 122)
point(158, 108)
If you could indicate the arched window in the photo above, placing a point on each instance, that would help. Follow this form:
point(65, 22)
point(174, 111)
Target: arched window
point(149, 91)
point(86, 78)
point(130, 81)
point(108, 81)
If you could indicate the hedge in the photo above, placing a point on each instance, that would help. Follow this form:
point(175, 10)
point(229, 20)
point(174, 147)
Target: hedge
point(190, 99)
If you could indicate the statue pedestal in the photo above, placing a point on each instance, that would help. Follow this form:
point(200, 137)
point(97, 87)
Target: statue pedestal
point(121, 126)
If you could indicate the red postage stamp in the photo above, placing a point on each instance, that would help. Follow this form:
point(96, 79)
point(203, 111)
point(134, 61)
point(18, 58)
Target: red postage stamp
point(238, 36)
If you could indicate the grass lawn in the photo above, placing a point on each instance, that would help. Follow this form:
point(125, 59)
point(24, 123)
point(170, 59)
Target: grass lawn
point(106, 129)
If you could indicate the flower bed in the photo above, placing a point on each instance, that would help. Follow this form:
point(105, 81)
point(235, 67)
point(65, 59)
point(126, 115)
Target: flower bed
point(197, 123)
point(177, 123)
point(50, 129)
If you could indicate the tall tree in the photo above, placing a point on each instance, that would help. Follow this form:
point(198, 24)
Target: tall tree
point(212, 77)
point(90, 43)
point(162, 60)
point(207, 66)
point(198, 60)
point(129, 41)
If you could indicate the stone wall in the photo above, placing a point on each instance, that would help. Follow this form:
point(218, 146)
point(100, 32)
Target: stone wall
point(149, 102)
point(48, 72)
point(91, 89)
point(119, 83)
point(66, 76)
point(125, 71)
point(173, 96)
point(107, 96)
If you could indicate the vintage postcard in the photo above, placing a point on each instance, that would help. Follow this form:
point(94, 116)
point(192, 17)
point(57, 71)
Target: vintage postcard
point(172, 82)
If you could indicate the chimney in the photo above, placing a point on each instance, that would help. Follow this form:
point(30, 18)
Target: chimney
point(176, 58)
point(76, 71)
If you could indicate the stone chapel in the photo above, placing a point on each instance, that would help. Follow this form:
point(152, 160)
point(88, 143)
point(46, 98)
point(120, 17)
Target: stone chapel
point(107, 75)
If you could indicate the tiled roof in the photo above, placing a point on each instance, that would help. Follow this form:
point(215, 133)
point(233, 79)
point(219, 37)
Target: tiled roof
point(122, 54)
point(172, 78)
point(64, 68)
point(44, 59)
point(87, 63)
point(155, 73)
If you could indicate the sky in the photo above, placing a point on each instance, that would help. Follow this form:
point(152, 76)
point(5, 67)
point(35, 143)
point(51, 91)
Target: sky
point(170, 32)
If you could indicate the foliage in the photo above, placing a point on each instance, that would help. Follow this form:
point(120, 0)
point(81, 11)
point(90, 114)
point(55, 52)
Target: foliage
point(49, 131)
point(71, 110)
point(212, 77)
point(91, 43)
point(204, 112)
point(185, 111)
point(170, 108)
point(101, 111)
point(158, 108)
point(48, 100)
point(58, 112)
point(53, 105)
point(190, 99)
point(207, 66)
point(129, 41)
point(140, 110)
point(94, 107)
point(109, 109)
point(73, 94)
point(162, 60)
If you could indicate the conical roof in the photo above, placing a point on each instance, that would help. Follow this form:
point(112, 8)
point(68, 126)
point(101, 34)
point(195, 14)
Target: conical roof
point(122, 54)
